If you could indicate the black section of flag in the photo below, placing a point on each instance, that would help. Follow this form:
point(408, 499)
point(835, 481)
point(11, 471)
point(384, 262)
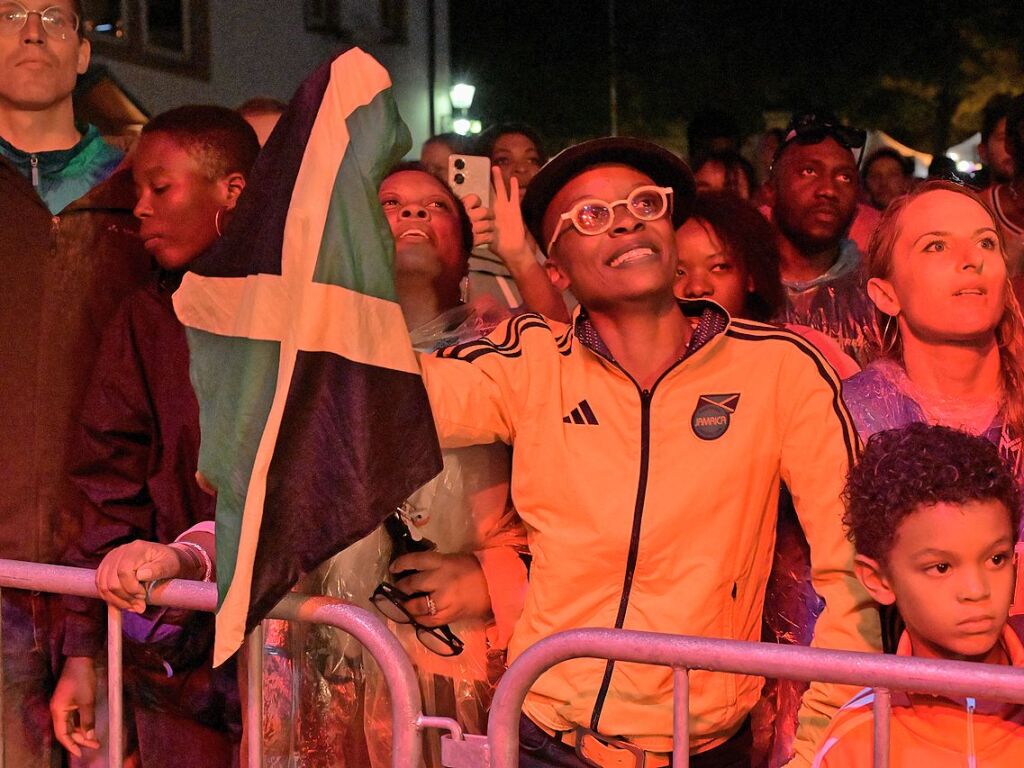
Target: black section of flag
point(253, 241)
point(371, 427)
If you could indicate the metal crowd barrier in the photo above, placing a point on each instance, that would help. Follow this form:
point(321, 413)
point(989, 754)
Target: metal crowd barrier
point(500, 749)
point(383, 646)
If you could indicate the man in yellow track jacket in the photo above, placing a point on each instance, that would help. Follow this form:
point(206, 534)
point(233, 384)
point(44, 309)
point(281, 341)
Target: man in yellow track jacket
point(649, 443)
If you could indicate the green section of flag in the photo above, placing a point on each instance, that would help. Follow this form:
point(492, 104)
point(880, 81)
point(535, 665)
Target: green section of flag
point(350, 251)
point(235, 405)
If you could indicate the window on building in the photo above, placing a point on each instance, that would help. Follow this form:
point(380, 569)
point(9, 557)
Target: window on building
point(358, 21)
point(163, 34)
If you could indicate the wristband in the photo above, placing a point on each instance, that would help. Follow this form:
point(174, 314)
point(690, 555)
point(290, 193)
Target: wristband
point(192, 549)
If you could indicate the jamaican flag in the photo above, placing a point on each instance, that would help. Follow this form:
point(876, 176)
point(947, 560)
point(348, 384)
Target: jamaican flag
point(315, 424)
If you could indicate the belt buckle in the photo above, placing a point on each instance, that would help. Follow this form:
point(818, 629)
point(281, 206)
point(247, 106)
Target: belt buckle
point(607, 752)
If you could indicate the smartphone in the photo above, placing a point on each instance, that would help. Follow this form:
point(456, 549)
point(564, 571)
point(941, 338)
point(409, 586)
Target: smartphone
point(470, 175)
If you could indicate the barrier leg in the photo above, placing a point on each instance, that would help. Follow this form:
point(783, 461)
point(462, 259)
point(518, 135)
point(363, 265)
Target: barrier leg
point(115, 689)
point(882, 710)
point(254, 698)
point(681, 717)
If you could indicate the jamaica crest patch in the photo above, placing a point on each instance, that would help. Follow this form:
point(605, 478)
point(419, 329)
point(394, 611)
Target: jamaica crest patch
point(713, 414)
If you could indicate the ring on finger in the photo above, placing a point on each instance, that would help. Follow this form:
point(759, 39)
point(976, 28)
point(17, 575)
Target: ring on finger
point(431, 607)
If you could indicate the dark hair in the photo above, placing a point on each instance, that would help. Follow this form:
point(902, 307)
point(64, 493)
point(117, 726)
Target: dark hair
point(734, 164)
point(465, 224)
point(995, 109)
point(904, 469)
point(457, 144)
point(707, 125)
point(1015, 134)
point(752, 240)
point(261, 105)
point(218, 137)
point(906, 163)
point(815, 126)
point(484, 144)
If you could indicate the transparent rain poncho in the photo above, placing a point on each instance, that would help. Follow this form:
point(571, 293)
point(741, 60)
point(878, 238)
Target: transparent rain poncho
point(325, 702)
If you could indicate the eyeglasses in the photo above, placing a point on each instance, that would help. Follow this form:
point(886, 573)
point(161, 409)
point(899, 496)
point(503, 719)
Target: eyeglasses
point(594, 216)
point(812, 128)
point(57, 22)
point(390, 600)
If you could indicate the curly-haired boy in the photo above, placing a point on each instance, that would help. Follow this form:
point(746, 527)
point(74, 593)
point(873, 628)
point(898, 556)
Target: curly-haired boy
point(933, 514)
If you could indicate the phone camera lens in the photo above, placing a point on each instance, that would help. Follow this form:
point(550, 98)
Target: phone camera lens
point(460, 179)
point(460, 164)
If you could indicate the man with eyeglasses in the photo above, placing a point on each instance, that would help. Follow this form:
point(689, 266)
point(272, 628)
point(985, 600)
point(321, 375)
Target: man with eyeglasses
point(67, 256)
point(812, 190)
point(649, 441)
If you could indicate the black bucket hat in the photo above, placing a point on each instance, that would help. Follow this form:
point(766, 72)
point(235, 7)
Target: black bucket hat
point(665, 169)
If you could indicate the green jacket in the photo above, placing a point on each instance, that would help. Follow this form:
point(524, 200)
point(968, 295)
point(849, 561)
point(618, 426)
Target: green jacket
point(62, 176)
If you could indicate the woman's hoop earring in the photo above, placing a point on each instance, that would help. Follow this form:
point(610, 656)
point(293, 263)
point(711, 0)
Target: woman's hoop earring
point(887, 343)
point(216, 221)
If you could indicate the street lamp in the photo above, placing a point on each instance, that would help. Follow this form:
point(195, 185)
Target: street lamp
point(462, 96)
point(462, 99)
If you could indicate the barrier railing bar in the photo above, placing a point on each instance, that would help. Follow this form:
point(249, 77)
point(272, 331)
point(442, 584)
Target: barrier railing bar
point(254, 698)
point(197, 596)
point(882, 711)
point(681, 717)
point(958, 678)
point(115, 690)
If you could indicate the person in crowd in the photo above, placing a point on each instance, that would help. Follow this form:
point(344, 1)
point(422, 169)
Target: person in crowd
point(944, 167)
point(934, 514)
point(998, 164)
point(728, 253)
point(517, 149)
point(473, 579)
point(887, 174)
point(435, 152)
point(1006, 199)
point(951, 332)
point(765, 149)
point(712, 130)
point(725, 170)
point(629, 390)
point(516, 153)
point(813, 192)
point(137, 454)
point(262, 113)
point(68, 255)
point(506, 264)
point(951, 342)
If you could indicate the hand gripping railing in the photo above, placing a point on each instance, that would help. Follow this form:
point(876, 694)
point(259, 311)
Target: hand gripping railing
point(884, 673)
point(382, 645)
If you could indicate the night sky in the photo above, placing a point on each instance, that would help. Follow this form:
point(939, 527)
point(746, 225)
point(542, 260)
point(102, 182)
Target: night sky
point(921, 71)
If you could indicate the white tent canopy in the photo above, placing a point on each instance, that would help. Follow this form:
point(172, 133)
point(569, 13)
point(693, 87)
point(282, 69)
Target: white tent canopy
point(965, 153)
point(879, 139)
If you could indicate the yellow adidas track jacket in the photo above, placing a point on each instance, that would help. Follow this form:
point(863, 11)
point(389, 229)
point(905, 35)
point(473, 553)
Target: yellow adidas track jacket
point(656, 509)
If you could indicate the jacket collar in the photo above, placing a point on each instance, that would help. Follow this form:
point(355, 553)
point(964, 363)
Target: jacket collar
point(850, 260)
point(51, 161)
point(117, 193)
point(710, 321)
